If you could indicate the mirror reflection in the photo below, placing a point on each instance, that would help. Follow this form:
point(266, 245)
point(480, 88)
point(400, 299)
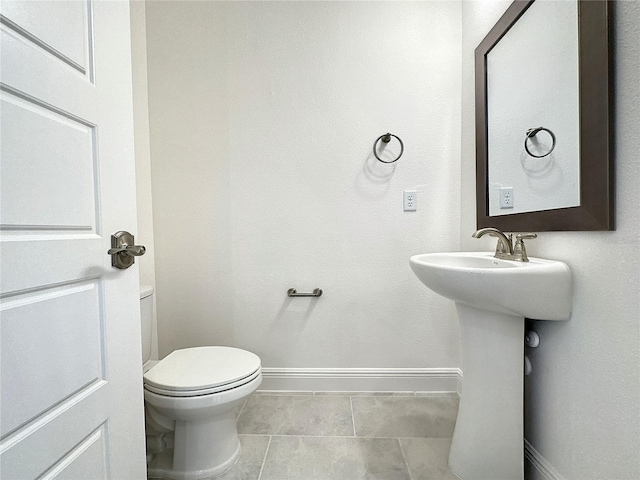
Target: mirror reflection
point(533, 136)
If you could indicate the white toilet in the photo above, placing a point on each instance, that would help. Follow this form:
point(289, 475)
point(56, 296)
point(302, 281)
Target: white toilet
point(190, 399)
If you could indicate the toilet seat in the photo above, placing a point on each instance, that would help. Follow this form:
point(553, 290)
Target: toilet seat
point(203, 391)
point(202, 371)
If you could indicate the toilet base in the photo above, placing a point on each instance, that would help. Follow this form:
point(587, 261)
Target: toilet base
point(203, 448)
point(161, 467)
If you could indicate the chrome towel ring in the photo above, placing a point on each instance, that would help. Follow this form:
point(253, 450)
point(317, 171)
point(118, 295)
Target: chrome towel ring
point(532, 132)
point(386, 138)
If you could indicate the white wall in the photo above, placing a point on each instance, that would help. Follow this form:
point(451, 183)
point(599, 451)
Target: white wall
point(262, 120)
point(144, 235)
point(141, 138)
point(582, 399)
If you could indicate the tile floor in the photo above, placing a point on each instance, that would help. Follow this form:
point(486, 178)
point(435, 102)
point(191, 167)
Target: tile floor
point(345, 437)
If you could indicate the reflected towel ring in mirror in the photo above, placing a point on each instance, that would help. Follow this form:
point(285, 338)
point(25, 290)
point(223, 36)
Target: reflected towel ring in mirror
point(532, 132)
point(386, 138)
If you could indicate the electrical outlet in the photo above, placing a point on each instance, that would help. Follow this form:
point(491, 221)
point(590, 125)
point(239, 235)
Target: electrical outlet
point(506, 197)
point(410, 200)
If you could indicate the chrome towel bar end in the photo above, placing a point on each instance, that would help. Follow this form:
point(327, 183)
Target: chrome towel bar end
point(292, 292)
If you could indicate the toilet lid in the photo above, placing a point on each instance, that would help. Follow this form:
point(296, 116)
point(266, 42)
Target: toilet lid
point(202, 368)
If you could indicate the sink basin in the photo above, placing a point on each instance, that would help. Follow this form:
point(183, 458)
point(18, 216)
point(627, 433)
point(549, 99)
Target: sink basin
point(539, 289)
point(493, 297)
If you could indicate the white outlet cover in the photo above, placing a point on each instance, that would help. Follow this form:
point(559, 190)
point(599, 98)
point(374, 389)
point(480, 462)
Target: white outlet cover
point(506, 197)
point(410, 200)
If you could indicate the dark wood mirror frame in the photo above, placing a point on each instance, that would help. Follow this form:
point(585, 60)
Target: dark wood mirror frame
point(596, 210)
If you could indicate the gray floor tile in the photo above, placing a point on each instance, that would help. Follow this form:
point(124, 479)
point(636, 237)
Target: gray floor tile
point(296, 415)
point(404, 416)
point(369, 394)
point(282, 392)
point(251, 458)
point(428, 458)
point(334, 458)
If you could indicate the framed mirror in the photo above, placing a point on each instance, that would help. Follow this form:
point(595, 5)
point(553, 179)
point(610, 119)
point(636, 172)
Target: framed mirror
point(544, 118)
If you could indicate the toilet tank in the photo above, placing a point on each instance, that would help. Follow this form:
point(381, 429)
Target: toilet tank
point(146, 317)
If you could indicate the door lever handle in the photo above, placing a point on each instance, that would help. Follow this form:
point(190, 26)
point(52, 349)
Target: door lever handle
point(123, 251)
point(135, 250)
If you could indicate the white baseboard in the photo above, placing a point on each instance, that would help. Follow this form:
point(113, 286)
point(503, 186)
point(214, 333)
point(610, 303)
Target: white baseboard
point(536, 466)
point(361, 379)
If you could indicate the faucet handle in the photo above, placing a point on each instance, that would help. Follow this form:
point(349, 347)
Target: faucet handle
point(519, 250)
point(522, 236)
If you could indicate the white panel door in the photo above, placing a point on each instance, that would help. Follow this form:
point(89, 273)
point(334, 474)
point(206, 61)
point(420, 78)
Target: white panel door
point(70, 382)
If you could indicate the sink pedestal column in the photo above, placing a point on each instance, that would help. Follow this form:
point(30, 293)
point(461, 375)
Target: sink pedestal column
point(488, 442)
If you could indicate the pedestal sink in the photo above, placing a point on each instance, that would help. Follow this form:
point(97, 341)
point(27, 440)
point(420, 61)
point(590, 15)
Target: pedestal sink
point(493, 297)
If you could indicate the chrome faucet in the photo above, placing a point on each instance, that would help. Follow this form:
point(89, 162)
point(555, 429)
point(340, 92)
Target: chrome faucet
point(505, 248)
